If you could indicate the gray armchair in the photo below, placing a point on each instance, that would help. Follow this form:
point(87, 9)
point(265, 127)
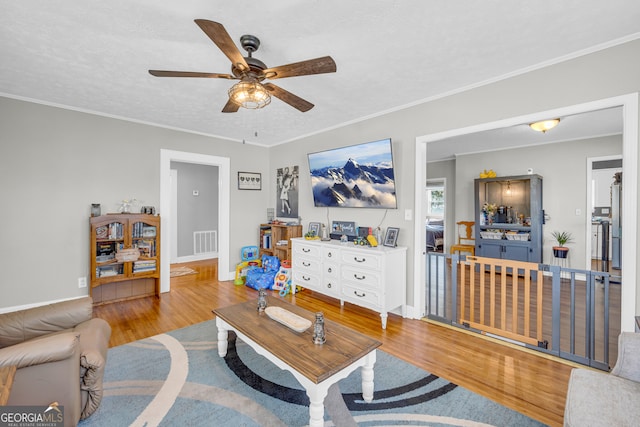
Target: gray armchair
point(60, 353)
point(596, 398)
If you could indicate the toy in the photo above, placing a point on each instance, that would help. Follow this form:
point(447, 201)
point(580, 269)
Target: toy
point(282, 281)
point(249, 256)
point(263, 278)
point(362, 241)
point(373, 242)
point(487, 174)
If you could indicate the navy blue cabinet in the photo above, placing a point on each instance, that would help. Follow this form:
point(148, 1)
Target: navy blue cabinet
point(509, 217)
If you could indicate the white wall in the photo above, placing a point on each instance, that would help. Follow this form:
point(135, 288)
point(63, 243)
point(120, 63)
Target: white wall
point(603, 74)
point(54, 163)
point(563, 167)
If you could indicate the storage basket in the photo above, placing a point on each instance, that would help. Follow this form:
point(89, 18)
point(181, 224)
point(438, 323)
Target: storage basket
point(128, 255)
point(492, 235)
point(518, 236)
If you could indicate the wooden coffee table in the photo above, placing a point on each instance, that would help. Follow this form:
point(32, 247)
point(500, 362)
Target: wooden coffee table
point(316, 367)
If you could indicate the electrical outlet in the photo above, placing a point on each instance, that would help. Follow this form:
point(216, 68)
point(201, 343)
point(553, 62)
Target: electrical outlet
point(82, 282)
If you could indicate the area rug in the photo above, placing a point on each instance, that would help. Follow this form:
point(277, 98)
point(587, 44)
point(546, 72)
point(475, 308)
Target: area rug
point(178, 379)
point(181, 271)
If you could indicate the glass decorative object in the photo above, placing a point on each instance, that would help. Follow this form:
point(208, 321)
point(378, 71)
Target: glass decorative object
point(95, 209)
point(318, 329)
point(262, 300)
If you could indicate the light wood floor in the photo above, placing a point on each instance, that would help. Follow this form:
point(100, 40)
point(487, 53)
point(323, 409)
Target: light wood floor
point(528, 382)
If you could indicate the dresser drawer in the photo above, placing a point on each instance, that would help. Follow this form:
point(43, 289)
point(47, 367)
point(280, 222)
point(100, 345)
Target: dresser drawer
point(307, 264)
point(361, 277)
point(330, 286)
point(361, 259)
point(330, 254)
point(331, 270)
point(306, 280)
point(360, 296)
point(306, 249)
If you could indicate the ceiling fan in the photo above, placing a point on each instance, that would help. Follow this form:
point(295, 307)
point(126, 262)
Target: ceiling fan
point(250, 91)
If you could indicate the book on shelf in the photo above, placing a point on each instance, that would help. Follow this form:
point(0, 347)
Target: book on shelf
point(147, 248)
point(141, 266)
point(266, 241)
point(105, 248)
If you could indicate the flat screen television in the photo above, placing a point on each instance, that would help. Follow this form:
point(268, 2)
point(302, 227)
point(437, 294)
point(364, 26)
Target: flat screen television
point(357, 176)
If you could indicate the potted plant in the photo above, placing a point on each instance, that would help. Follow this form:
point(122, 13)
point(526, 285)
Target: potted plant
point(562, 238)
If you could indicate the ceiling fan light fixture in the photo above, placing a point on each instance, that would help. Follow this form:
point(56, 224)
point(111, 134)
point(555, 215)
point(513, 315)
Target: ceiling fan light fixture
point(544, 125)
point(249, 93)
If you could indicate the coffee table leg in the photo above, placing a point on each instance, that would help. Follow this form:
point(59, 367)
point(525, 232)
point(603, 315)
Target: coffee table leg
point(316, 394)
point(223, 335)
point(367, 377)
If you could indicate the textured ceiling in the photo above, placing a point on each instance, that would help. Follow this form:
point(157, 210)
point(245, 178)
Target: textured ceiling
point(94, 55)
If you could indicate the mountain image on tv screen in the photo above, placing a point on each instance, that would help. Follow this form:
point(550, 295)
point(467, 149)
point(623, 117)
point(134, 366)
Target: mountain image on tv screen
point(357, 176)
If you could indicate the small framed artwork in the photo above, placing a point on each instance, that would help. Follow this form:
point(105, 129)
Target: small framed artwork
point(391, 237)
point(249, 181)
point(314, 227)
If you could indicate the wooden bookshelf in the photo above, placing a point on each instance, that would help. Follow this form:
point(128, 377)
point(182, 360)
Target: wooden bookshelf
point(117, 274)
point(275, 239)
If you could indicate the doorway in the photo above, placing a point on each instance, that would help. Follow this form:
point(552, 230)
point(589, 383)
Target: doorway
point(194, 215)
point(224, 185)
point(435, 221)
point(629, 111)
point(604, 232)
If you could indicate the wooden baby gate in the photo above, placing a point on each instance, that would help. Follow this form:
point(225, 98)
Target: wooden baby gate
point(502, 297)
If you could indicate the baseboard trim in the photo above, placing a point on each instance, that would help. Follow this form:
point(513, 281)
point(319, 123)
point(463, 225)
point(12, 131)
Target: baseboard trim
point(37, 304)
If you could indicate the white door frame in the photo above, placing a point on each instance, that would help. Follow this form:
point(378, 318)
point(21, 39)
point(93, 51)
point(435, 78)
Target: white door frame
point(173, 173)
point(629, 104)
point(224, 183)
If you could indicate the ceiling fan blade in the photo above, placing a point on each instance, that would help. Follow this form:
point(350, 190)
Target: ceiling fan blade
point(160, 73)
point(326, 64)
point(230, 107)
point(291, 99)
point(221, 38)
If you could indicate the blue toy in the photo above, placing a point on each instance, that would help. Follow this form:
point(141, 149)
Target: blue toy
point(263, 278)
point(249, 256)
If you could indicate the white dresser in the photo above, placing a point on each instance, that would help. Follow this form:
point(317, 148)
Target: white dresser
point(374, 278)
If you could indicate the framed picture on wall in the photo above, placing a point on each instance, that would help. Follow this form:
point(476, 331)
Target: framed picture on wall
point(249, 181)
point(391, 237)
point(287, 192)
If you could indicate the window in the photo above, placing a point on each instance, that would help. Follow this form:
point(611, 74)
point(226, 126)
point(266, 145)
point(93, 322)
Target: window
point(435, 199)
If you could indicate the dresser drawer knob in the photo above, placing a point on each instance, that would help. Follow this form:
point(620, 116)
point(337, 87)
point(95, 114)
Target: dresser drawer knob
point(306, 264)
point(306, 250)
point(359, 277)
point(359, 294)
point(329, 270)
point(329, 255)
point(305, 278)
point(356, 259)
point(328, 285)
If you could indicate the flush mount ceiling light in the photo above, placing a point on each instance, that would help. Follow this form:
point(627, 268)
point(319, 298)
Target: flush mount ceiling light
point(249, 93)
point(544, 125)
